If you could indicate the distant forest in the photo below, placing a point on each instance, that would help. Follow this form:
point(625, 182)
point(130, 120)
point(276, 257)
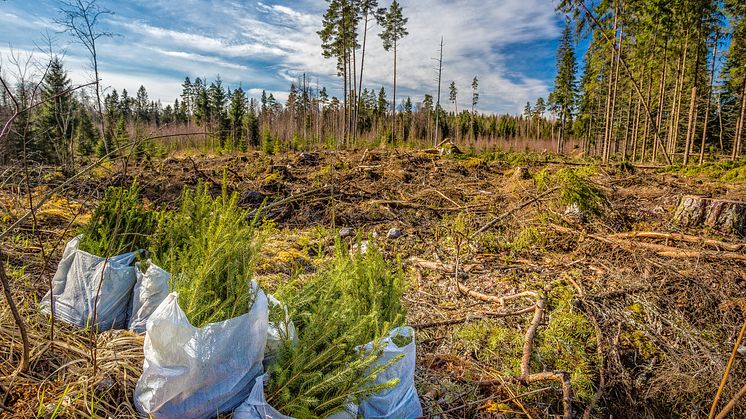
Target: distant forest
point(661, 81)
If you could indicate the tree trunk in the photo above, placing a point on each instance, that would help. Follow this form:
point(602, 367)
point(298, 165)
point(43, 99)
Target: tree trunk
point(709, 100)
point(691, 125)
point(607, 116)
point(393, 113)
point(661, 101)
point(626, 130)
point(675, 136)
point(724, 216)
point(362, 63)
point(739, 125)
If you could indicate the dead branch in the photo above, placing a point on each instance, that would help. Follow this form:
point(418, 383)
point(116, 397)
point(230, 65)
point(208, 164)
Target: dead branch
point(16, 316)
point(659, 249)
point(202, 174)
point(506, 214)
point(540, 303)
point(465, 319)
point(725, 377)
point(407, 204)
point(732, 403)
point(731, 247)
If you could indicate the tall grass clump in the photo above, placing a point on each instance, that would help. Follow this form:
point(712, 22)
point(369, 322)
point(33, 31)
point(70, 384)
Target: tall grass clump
point(120, 223)
point(209, 246)
point(575, 187)
point(355, 300)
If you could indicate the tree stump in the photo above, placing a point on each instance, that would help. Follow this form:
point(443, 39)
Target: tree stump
point(722, 215)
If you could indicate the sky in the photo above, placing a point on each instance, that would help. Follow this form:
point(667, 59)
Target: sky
point(509, 45)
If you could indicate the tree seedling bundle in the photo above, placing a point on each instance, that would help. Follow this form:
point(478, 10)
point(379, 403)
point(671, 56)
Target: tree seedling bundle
point(354, 301)
point(209, 246)
point(120, 223)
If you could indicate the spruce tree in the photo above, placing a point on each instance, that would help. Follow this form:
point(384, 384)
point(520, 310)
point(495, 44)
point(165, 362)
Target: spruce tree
point(236, 116)
point(53, 139)
point(565, 87)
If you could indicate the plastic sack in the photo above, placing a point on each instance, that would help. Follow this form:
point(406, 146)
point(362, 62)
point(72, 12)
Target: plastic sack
point(192, 372)
point(281, 328)
point(80, 277)
point(256, 407)
point(151, 288)
point(400, 401)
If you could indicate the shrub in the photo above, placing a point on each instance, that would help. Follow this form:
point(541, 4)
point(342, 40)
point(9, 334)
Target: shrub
point(119, 224)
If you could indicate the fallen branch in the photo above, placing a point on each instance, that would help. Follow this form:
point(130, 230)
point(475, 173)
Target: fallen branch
point(486, 315)
point(511, 211)
point(540, 304)
point(203, 174)
point(288, 200)
point(725, 376)
point(659, 249)
point(731, 247)
point(732, 403)
point(466, 290)
point(407, 204)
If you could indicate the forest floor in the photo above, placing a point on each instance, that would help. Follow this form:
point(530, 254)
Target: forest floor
point(515, 295)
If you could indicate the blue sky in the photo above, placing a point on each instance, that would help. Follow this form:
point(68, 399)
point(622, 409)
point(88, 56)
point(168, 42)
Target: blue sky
point(508, 44)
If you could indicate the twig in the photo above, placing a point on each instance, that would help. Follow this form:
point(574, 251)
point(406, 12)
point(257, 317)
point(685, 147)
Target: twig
point(732, 403)
point(727, 372)
point(485, 315)
point(679, 237)
point(510, 211)
point(16, 315)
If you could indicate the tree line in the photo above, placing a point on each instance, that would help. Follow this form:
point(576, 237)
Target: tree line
point(93, 121)
point(662, 81)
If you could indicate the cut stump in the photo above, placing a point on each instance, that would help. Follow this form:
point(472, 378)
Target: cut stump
point(726, 216)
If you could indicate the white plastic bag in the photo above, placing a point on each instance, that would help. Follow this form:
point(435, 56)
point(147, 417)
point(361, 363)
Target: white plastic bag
point(80, 278)
point(256, 407)
point(400, 401)
point(151, 288)
point(279, 330)
point(192, 372)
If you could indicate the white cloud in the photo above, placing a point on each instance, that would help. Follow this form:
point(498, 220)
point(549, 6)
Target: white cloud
point(266, 44)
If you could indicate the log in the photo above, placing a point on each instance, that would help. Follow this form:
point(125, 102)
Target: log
point(723, 215)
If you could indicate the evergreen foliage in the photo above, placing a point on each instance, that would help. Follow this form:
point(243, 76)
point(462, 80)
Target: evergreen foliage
point(120, 223)
point(350, 303)
point(575, 188)
point(210, 249)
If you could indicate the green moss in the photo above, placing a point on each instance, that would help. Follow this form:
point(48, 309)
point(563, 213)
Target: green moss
point(529, 237)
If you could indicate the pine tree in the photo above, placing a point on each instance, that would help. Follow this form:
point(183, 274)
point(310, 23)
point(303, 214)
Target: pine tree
point(474, 94)
point(394, 29)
